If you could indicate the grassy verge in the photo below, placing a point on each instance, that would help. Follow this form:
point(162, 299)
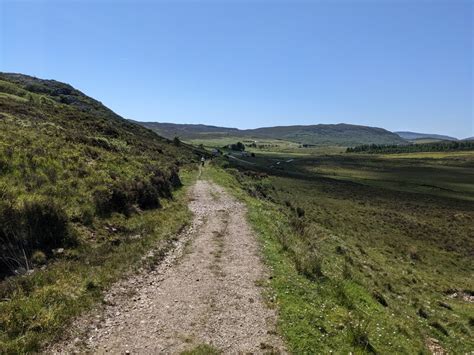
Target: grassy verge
point(35, 308)
point(203, 349)
point(352, 271)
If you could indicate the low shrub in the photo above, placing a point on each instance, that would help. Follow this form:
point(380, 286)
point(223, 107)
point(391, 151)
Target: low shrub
point(147, 196)
point(309, 265)
point(161, 184)
point(174, 179)
point(46, 225)
point(121, 196)
point(300, 212)
point(31, 231)
point(38, 258)
point(117, 198)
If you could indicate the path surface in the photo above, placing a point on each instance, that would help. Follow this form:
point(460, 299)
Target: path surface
point(204, 292)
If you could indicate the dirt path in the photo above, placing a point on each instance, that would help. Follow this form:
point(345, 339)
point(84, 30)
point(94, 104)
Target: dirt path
point(204, 292)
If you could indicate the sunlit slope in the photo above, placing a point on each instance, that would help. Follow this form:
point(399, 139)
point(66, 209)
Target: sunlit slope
point(63, 149)
point(320, 135)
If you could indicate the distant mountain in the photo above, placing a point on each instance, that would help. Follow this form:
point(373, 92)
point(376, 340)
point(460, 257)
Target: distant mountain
point(321, 134)
point(188, 131)
point(330, 134)
point(468, 139)
point(414, 135)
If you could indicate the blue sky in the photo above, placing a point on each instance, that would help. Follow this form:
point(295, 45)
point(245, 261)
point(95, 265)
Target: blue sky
point(401, 65)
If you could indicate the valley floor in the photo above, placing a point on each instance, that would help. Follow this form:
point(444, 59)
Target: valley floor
point(204, 295)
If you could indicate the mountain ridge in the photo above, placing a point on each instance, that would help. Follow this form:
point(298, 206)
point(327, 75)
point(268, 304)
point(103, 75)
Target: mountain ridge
point(319, 134)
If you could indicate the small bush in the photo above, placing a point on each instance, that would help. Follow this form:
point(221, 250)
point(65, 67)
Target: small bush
point(87, 216)
point(239, 146)
point(299, 225)
point(4, 166)
point(118, 198)
point(161, 184)
point(122, 196)
point(310, 266)
point(91, 285)
point(121, 199)
point(342, 297)
point(38, 258)
point(102, 201)
point(47, 226)
point(104, 143)
point(414, 254)
point(31, 231)
point(147, 196)
point(174, 179)
point(300, 212)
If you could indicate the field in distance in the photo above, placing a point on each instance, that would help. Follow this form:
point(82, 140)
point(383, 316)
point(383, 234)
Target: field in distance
point(265, 145)
point(370, 251)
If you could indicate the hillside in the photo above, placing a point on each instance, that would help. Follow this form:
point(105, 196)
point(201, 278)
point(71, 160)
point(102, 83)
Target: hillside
point(59, 144)
point(413, 136)
point(188, 131)
point(321, 134)
point(330, 134)
point(83, 192)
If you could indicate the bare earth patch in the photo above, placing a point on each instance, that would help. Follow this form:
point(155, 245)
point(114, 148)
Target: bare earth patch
point(204, 292)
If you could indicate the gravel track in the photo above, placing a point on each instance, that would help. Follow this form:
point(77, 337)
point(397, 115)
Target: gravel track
point(203, 292)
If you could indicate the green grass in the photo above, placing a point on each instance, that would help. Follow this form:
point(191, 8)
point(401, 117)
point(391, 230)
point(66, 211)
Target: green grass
point(36, 308)
point(359, 267)
point(202, 349)
point(266, 146)
point(252, 144)
point(108, 188)
point(447, 174)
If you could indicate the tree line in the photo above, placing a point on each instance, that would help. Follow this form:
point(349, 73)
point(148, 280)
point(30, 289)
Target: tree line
point(412, 148)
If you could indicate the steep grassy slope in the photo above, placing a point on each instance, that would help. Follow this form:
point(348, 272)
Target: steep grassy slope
point(321, 135)
point(83, 194)
point(369, 254)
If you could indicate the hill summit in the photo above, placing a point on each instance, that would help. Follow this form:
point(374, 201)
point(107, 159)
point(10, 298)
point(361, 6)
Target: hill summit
point(322, 134)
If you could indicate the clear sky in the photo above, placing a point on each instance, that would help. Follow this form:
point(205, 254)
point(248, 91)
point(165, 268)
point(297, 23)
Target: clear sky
point(396, 64)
